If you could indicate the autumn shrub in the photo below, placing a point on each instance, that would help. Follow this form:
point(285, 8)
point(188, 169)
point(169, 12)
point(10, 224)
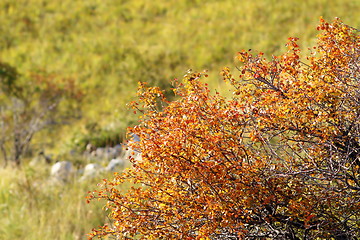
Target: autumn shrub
point(277, 160)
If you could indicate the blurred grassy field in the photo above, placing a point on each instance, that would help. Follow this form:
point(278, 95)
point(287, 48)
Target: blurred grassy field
point(32, 209)
point(107, 46)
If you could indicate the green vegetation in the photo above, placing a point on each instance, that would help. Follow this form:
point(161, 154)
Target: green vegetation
point(31, 208)
point(107, 46)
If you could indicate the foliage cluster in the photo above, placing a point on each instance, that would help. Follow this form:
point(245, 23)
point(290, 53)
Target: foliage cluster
point(277, 160)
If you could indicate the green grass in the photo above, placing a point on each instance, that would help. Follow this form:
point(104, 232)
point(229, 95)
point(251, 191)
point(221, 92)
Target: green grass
point(33, 209)
point(107, 46)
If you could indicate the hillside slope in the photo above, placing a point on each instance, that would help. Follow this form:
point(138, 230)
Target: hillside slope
point(108, 46)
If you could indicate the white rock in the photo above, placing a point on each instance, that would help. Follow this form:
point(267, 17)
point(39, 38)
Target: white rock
point(115, 164)
point(90, 171)
point(100, 152)
point(61, 171)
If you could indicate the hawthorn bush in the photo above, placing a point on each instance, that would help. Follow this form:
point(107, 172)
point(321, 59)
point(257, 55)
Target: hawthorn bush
point(277, 160)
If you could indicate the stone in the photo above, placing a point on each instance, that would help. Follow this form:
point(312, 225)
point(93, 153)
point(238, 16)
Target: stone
point(100, 152)
point(91, 170)
point(115, 164)
point(61, 171)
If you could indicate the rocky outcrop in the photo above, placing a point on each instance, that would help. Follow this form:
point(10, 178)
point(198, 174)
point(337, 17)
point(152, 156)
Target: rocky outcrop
point(103, 153)
point(110, 159)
